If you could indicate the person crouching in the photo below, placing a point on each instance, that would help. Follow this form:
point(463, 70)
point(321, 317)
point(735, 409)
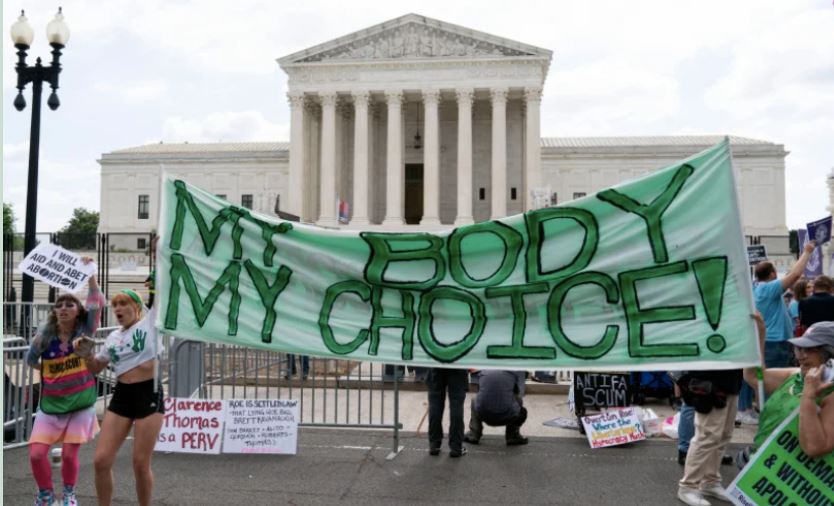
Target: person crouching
point(498, 403)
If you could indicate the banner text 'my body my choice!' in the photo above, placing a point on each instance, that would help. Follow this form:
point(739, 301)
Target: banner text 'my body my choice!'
point(448, 259)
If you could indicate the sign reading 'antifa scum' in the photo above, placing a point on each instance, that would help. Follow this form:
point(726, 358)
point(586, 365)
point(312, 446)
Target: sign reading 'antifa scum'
point(650, 274)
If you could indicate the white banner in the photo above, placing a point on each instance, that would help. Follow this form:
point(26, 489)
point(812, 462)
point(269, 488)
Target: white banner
point(57, 267)
point(261, 426)
point(191, 426)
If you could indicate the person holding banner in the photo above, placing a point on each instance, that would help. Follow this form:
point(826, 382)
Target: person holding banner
point(67, 412)
point(137, 401)
point(807, 387)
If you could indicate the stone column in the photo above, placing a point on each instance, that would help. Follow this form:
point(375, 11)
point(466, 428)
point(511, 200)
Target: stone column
point(360, 159)
point(431, 160)
point(294, 200)
point(464, 97)
point(327, 195)
point(533, 146)
point(499, 152)
point(394, 160)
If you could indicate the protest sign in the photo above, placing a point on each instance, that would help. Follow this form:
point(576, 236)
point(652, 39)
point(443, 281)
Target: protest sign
point(57, 267)
point(600, 390)
point(781, 473)
point(261, 426)
point(820, 230)
point(756, 253)
point(191, 426)
point(614, 427)
point(648, 275)
point(813, 267)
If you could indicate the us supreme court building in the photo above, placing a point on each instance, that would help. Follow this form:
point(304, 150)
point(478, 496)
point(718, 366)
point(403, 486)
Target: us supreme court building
point(417, 124)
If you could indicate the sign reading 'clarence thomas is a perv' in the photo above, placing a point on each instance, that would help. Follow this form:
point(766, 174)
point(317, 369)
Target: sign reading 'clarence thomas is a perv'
point(650, 274)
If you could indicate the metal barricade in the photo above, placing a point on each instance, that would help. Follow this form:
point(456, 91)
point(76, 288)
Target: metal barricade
point(331, 393)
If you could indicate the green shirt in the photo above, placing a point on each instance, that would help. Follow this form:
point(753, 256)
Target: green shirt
point(780, 405)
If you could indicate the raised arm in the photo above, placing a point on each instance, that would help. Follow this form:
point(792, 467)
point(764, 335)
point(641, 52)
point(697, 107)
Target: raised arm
point(799, 267)
point(816, 426)
point(95, 303)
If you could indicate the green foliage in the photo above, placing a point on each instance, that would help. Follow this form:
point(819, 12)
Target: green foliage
point(80, 232)
point(8, 219)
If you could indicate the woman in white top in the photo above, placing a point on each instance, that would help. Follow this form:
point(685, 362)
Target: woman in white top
point(137, 401)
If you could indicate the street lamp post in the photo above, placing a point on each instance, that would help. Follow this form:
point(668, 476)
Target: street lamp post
point(22, 34)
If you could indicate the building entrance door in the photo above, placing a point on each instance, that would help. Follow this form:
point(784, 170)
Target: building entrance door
point(413, 193)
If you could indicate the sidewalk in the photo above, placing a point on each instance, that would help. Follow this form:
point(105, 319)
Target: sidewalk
point(348, 467)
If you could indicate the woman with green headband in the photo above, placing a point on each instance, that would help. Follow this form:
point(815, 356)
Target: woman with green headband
point(137, 402)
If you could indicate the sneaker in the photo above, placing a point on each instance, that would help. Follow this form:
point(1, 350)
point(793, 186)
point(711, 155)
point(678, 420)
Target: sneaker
point(727, 460)
point(749, 418)
point(434, 451)
point(692, 497)
point(69, 497)
point(458, 453)
point(718, 492)
point(471, 438)
point(45, 498)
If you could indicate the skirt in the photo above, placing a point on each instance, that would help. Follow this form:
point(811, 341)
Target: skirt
point(74, 428)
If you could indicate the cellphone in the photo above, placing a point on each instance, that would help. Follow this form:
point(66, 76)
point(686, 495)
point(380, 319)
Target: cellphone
point(828, 372)
point(84, 346)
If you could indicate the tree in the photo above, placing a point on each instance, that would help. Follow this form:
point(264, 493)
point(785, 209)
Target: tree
point(8, 219)
point(80, 232)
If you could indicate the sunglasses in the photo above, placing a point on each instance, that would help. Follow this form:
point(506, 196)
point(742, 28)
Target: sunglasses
point(64, 303)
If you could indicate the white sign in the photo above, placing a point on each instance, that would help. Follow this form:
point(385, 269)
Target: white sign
point(261, 426)
point(614, 427)
point(191, 426)
point(57, 267)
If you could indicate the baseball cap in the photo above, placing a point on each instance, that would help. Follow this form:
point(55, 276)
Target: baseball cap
point(818, 334)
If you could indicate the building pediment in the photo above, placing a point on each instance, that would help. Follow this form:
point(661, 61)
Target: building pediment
point(414, 37)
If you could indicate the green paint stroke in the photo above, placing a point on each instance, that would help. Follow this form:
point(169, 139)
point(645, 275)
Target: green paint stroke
point(512, 242)
point(554, 321)
point(637, 317)
point(380, 321)
point(517, 348)
point(711, 274)
point(202, 308)
point(652, 212)
point(383, 254)
point(333, 292)
point(268, 293)
point(535, 221)
point(447, 353)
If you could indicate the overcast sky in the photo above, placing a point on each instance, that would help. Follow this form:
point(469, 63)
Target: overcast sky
point(205, 71)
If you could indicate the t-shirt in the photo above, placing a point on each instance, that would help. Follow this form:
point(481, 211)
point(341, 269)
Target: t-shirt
point(125, 349)
point(819, 307)
point(769, 302)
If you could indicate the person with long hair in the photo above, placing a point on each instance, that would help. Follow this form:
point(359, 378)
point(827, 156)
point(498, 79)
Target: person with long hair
point(66, 413)
point(137, 403)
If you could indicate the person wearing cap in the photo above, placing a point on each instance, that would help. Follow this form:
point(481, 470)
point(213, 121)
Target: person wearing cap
point(137, 402)
point(807, 387)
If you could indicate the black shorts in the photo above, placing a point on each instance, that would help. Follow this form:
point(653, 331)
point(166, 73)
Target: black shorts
point(136, 400)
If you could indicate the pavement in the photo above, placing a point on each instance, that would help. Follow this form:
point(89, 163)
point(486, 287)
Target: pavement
point(345, 467)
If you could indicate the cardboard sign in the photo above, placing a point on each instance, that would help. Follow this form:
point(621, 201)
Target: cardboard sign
point(780, 472)
point(600, 390)
point(191, 426)
point(57, 267)
point(756, 253)
point(615, 427)
point(261, 426)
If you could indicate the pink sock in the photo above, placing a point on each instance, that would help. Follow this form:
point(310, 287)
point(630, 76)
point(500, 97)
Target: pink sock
point(69, 463)
point(39, 458)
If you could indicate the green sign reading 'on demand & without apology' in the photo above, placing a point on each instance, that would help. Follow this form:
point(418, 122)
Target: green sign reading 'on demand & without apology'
point(649, 274)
